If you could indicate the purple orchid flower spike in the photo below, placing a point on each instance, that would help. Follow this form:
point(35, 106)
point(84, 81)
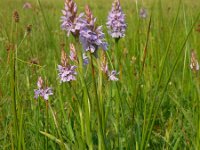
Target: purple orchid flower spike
point(85, 59)
point(42, 92)
point(46, 93)
point(66, 72)
point(27, 5)
point(71, 22)
point(116, 21)
point(38, 93)
point(92, 37)
point(113, 75)
point(143, 13)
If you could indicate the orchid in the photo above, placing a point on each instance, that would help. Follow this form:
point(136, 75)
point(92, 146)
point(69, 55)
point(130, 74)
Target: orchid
point(92, 37)
point(66, 72)
point(71, 22)
point(116, 21)
point(41, 91)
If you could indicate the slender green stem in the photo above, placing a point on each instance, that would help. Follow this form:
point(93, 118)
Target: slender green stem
point(47, 119)
point(117, 54)
point(100, 91)
point(86, 104)
point(38, 124)
point(13, 87)
point(100, 130)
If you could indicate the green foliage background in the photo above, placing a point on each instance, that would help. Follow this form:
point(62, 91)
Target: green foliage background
point(152, 108)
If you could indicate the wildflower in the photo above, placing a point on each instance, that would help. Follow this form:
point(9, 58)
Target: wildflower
point(42, 92)
point(112, 75)
point(85, 59)
point(38, 93)
point(143, 13)
point(46, 93)
point(116, 21)
point(27, 5)
point(16, 16)
point(71, 22)
point(91, 36)
point(194, 65)
point(66, 72)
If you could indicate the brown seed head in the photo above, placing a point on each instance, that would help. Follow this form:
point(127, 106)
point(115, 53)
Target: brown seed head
point(29, 28)
point(9, 46)
point(34, 61)
point(198, 28)
point(16, 16)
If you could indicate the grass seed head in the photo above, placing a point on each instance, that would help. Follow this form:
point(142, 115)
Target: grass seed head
point(29, 28)
point(104, 65)
point(16, 16)
point(64, 59)
point(194, 65)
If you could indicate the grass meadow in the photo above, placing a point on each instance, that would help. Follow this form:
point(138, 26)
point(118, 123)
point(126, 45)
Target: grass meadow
point(154, 105)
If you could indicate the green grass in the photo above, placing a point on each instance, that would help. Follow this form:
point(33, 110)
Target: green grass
point(154, 105)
